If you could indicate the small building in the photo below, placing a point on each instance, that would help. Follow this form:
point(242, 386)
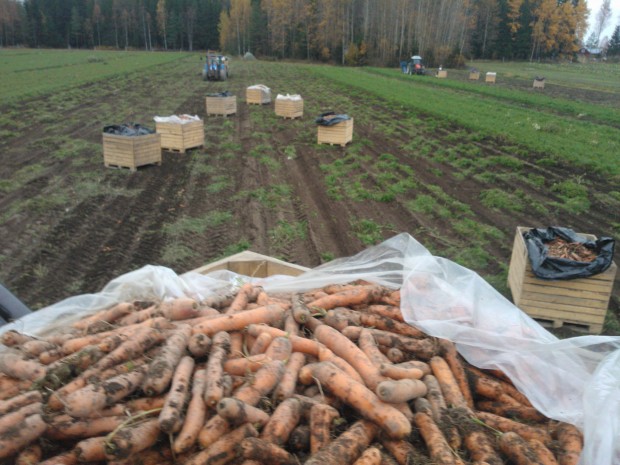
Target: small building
point(586, 54)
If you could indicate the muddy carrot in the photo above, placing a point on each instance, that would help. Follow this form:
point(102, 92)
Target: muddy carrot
point(438, 448)
point(64, 458)
point(9, 420)
point(65, 427)
point(20, 401)
point(31, 455)
point(241, 299)
point(199, 345)
point(570, 443)
point(326, 355)
point(103, 319)
point(343, 317)
point(271, 315)
point(518, 411)
point(244, 365)
point(91, 449)
point(351, 353)
point(237, 339)
point(388, 311)
point(263, 451)
point(347, 447)
point(283, 420)
point(287, 385)
point(299, 440)
point(17, 366)
point(215, 368)
point(161, 369)
point(261, 343)
point(434, 396)
point(358, 396)
point(36, 348)
point(499, 379)
point(132, 439)
point(422, 349)
point(368, 345)
point(403, 390)
point(348, 297)
point(402, 450)
point(480, 447)
point(516, 449)
point(301, 312)
point(543, 454)
point(300, 344)
point(225, 448)
point(400, 372)
point(171, 415)
point(15, 338)
point(179, 309)
point(394, 354)
point(453, 360)
point(131, 406)
point(195, 417)
point(237, 412)
point(448, 384)
point(506, 425)
point(371, 456)
point(23, 433)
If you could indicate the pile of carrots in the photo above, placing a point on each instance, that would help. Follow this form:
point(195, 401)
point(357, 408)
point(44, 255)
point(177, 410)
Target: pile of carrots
point(332, 376)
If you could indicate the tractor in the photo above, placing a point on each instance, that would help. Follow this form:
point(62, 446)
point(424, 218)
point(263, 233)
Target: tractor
point(415, 65)
point(216, 67)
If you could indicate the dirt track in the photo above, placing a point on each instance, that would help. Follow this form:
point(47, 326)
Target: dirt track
point(51, 250)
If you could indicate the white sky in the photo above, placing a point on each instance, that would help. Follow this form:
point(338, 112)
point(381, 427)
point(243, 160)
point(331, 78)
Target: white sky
point(594, 6)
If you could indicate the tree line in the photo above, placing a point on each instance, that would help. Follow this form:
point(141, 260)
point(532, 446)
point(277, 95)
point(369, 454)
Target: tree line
point(355, 32)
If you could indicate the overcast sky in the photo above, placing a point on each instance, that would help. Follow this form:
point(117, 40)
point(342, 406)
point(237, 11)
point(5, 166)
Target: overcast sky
point(594, 6)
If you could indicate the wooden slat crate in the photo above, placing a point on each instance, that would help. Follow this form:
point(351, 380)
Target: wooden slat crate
point(221, 105)
point(289, 108)
point(253, 264)
point(442, 74)
point(179, 137)
point(131, 151)
point(538, 84)
point(580, 303)
point(337, 134)
point(490, 78)
point(474, 76)
point(257, 96)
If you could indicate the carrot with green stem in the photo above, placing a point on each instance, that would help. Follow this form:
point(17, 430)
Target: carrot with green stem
point(270, 314)
point(161, 369)
point(506, 425)
point(347, 447)
point(64, 427)
point(131, 439)
point(283, 421)
point(358, 396)
point(287, 385)
point(264, 451)
point(171, 415)
point(21, 435)
point(220, 349)
point(195, 417)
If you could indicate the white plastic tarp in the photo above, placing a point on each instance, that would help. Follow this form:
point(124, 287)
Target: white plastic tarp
point(176, 119)
point(576, 380)
point(288, 97)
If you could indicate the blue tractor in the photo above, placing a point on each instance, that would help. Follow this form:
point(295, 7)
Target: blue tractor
point(216, 68)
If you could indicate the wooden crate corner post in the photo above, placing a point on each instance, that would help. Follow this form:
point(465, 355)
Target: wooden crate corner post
point(337, 134)
point(581, 303)
point(179, 137)
point(131, 152)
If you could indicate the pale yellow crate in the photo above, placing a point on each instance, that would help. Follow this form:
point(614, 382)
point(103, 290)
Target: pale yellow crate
point(257, 96)
point(131, 151)
point(336, 134)
point(223, 106)
point(253, 264)
point(490, 78)
point(289, 108)
point(442, 74)
point(474, 76)
point(580, 303)
point(538, 84)
point(179, 137)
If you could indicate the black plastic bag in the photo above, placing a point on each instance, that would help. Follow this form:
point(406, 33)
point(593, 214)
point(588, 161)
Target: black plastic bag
point(226, 93)
point(554, 268)
point(131, 129)
point(330, 118)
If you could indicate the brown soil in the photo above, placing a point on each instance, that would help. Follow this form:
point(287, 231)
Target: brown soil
point(52, 252)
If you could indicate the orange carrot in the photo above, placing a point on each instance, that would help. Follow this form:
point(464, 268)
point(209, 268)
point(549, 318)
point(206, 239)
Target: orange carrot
point(263, 451)
point(242, 298)
point(543, 454)
point(422, 349)
point(481, 447)
point(301, 312)
point(103, 319)
point(570, 442)
point(11, 387)
point(435, 396)
point(400, 372)
point(224, 449)
point(300, 344)
point(402, 450)
point(351, 353)
point(388, 311)
point(299, 440)
point(91, 449)
point(449, 386)
point(368, 345)
point(199, 345)
point(195, 418)
point(283, 420)
point(403, 390)
point(326, 355)
point(287, 385)
point(516, 449)
point(15, 338)
point(22, 434)
point(343, 317)
point(436, 443)
point(13, 418)
point(496, 377)
point(347, 447)
point(279, 349)
point(161, 369)
point(171, 415)
point(371, 456)
point(94, 397)
point(518, 411)
point(131, 406)
point(20, 401)
point(237, 412)
point(236, 344)
point(65, 458)
point(179, 309)
point(506, 425)
point(290, 325)
point(346, 298)
point(394, 354)
point(31, 455)
point(36, 348)
point(16, 365)
point(215, 368)
point(261, 343)
point(64, 427)
point(453, 360)
point(357, 396)
point(244, 365)
point(271, 314)
point(131, 439)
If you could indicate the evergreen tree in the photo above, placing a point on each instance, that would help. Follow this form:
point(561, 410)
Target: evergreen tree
point(614, 43)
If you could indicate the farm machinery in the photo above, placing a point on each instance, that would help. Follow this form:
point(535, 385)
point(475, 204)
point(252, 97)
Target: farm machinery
point(415, 65)
point(216, 67)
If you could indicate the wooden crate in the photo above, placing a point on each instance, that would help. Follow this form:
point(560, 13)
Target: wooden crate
point(581, 303)
point(442, 74)
point(490, 78)
point(289, 108)
point(337, 134)
point(179, 137)
point(538, 84)
point(221, 105)
point(474, 76)
point(252, 264)
point(131, 151)
point(257, 96)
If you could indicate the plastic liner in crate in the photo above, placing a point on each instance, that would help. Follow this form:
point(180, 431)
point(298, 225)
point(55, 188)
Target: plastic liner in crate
point(545, 266)
point(330, 118)
point(130, 129)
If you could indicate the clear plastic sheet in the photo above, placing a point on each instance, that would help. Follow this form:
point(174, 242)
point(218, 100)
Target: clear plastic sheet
point(576, 380)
